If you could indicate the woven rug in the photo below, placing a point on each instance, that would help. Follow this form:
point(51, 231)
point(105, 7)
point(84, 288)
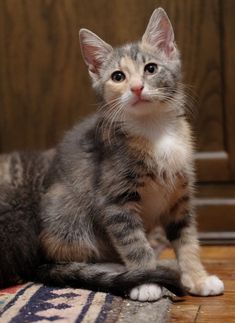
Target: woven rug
point(37, 303)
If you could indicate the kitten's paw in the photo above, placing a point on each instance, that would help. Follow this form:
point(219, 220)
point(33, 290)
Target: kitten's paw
point(210, 285)
point(146, 292)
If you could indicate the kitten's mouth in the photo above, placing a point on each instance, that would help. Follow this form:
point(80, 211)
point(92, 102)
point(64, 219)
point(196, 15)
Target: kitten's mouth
point(140, 100)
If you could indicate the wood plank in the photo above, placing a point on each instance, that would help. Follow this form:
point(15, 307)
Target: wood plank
point(212, 201)
point(228, 29)
point(209, 215)
point(221, 254)
point(212, 166)
point(225, 300)
point(184, 313)
point(216, 314)
point(217, 309)
point(215, 190)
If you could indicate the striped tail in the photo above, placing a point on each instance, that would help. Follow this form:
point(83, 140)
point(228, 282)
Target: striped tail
point(96, 277)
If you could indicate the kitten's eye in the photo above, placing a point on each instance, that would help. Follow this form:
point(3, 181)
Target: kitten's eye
point(150, 68)
point(118, 76)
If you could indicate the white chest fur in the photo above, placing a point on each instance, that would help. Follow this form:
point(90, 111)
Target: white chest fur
point(172, 152)
point(170, 142)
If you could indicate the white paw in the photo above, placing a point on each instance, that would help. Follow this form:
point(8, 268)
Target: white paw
point(210, 285)
point(146, 292)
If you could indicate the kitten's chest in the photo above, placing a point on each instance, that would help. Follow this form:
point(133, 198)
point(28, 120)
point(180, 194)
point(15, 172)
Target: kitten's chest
point(169, 158)
point(158, 198)
point(168, 155)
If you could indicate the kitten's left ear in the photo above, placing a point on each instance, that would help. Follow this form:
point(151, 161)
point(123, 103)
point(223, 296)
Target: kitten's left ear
point(159, 33)
point(94, 51)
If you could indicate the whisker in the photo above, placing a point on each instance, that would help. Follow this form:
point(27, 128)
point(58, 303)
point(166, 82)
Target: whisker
point(111, 115)
point(182, 98)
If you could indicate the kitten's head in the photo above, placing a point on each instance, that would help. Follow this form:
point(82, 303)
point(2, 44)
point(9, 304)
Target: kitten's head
point(137, 78)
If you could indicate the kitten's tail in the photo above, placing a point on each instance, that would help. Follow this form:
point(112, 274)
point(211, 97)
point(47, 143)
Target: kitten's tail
point(96, 277)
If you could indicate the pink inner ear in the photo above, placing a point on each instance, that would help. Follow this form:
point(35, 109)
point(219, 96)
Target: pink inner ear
point(167, 47)
point(166, 28)
point(167, 43)
point(90, 57)
point(159, 32)
point(94, 50)
point(94, 64)
point(170, 49)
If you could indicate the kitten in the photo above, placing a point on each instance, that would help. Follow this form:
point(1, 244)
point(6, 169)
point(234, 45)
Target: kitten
point(80, 215)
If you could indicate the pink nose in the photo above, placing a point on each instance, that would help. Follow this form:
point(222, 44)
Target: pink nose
point(137, 89)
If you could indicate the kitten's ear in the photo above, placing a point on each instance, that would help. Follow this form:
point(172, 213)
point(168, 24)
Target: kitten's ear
point(159, 33)
point(94, 50)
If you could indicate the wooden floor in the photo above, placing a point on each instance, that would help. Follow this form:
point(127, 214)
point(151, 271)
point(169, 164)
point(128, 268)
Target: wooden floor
point(219, 260)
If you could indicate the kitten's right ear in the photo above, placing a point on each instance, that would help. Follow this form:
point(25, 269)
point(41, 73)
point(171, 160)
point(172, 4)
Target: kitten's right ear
point(94, 51)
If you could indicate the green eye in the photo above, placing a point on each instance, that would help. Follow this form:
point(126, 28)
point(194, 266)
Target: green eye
point(118, 76)
point(150, 68)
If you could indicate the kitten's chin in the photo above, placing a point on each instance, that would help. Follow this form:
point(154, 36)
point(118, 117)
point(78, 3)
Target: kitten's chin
point(140, 101)
point(143, 107)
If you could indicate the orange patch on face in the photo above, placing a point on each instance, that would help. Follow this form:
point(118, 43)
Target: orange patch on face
point(133, 77)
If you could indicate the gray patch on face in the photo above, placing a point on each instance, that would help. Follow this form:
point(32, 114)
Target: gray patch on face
point(134, 51)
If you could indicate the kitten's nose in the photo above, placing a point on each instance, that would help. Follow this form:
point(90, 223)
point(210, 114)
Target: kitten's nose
point(137, 89)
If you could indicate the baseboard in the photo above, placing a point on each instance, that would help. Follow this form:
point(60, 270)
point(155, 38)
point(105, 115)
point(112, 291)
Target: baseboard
point(222, 238)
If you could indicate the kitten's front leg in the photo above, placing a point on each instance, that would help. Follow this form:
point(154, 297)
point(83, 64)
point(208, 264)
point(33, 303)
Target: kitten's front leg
point(126, 232)
point(182, 234)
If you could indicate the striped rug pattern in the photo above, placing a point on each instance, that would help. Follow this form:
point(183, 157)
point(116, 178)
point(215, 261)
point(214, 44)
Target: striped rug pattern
point(38, 303)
